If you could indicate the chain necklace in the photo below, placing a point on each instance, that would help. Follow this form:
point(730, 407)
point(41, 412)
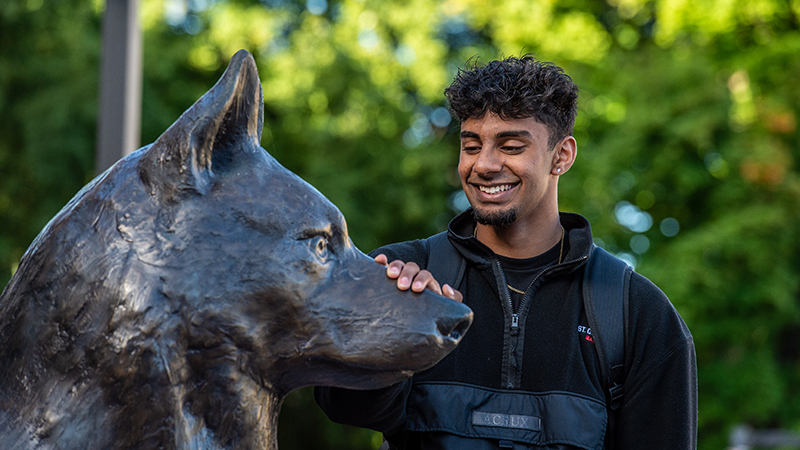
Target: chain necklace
point(560, 255)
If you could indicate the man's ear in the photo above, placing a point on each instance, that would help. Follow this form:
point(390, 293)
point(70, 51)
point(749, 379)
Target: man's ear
point(225, 122)
point(564, 154)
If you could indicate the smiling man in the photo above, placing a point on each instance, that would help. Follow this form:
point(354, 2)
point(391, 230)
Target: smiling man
point(528, 373)
point(509, 172)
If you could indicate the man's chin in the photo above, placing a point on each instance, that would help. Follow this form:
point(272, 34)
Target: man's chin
point(495, 218)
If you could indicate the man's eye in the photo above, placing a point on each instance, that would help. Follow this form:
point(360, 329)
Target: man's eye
point(471, 149)
point(513, 149)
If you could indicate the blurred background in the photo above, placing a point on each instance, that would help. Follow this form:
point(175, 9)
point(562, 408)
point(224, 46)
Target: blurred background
point(687, 134)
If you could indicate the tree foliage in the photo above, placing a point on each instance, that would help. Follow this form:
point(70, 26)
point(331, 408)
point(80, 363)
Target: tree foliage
point(687, 135)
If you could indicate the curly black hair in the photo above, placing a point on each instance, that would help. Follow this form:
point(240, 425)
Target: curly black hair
point(516, 88)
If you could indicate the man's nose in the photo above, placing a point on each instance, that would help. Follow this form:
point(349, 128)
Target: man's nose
point(489, 161)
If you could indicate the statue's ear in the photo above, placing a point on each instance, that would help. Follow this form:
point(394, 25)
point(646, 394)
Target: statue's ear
point(224, 123)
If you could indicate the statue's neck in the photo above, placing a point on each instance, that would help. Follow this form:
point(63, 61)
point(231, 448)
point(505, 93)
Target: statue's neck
point(220, 407)
point(247, 422)
point(208, 403)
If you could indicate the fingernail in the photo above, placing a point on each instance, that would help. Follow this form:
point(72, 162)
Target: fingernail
point(394, 270)
point(448, 291)
point(403, 283)
point(418, 286)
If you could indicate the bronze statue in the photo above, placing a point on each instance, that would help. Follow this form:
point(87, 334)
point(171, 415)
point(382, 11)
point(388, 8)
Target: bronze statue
point(179, 297)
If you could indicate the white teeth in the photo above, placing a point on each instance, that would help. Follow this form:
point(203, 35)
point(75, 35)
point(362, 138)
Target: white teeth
point(495, 189)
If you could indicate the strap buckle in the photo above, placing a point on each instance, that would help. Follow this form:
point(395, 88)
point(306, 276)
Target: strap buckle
point(615, 394)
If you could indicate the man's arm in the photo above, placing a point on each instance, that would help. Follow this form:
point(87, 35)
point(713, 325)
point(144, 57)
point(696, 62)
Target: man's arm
point(659, 410)
point(382, 410)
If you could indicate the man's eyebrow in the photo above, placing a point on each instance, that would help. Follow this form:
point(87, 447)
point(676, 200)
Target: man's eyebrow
point(514, 133)
point(501, 135)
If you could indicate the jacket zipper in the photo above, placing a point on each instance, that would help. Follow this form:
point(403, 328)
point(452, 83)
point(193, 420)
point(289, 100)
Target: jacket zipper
point(511, 361)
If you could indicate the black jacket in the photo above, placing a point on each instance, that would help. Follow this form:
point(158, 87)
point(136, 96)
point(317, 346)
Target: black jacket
point(536, 385)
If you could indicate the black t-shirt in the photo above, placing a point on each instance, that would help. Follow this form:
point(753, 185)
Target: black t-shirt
point(520, 273)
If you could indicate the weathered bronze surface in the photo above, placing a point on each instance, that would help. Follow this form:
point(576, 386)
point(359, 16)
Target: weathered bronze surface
point(179, 297)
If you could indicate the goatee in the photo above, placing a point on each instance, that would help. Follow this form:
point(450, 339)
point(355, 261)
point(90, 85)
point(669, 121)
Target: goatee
point(496, 219)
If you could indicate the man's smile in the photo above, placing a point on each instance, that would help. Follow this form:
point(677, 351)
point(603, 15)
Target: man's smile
point(495, 189)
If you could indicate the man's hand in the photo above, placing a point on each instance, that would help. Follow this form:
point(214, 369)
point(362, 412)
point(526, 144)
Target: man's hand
point(409, 275)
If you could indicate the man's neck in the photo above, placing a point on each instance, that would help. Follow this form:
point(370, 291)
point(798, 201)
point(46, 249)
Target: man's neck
point(521, 239)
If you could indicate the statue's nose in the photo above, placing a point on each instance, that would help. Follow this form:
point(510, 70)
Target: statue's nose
point(454, 326)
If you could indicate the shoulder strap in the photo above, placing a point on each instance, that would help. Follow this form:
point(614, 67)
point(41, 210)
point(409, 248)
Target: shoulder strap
point(444, 261)
point(605, 298)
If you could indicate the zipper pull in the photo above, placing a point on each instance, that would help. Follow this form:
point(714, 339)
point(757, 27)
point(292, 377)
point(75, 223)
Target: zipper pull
point(514, 324)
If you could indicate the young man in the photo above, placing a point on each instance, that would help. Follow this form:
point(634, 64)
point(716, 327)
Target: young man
point(527, 374)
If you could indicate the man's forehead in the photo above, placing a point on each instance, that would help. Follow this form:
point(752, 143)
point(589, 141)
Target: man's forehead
point(492, 125)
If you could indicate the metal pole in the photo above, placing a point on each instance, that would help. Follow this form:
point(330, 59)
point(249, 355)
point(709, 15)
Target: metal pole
point(119, 118)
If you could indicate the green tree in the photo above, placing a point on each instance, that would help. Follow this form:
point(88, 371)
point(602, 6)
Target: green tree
point(687, 135)
point(48, 102)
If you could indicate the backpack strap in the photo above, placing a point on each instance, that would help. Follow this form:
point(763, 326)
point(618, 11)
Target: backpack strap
point(605, 299)
point(444, 261)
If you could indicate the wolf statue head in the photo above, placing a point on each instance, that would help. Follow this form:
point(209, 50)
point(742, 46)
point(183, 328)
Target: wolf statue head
point(179, 296)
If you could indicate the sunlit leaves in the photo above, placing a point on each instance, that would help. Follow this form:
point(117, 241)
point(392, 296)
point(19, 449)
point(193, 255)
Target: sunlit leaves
point(687, 133)
point(520, 26)
point(705, 20)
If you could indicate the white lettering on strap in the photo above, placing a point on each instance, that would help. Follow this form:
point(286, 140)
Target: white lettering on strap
point(487, 419)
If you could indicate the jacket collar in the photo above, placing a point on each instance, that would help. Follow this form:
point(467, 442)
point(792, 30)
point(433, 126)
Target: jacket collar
point(578, 234)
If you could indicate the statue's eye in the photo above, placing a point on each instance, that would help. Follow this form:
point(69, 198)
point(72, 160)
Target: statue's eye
point(320, 246)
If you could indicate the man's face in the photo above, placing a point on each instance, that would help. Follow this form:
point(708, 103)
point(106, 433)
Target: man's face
point(506, 168)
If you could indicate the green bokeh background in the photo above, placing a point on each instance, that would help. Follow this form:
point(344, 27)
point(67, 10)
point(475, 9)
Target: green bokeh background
point(687, 133)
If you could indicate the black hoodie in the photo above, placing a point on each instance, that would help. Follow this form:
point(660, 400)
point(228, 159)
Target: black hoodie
point(536, 384)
